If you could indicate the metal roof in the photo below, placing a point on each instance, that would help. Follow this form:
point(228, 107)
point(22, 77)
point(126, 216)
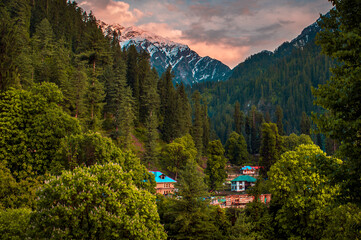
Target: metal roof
point(244, 178)
point(158, 179)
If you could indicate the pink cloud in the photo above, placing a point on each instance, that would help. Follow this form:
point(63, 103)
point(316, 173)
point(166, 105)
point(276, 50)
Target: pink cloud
point(229, 55)
point(113, 12)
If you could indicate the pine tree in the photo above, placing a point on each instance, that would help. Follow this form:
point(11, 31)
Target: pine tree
point(184, 111)
point(279, 120)
point(197, 128)
point(132, 75)
point(206, 127)
point(238, 118)
point(191, 213)
point(271, 147)
point(216, 163)
point(168, 105)
point(305, 124)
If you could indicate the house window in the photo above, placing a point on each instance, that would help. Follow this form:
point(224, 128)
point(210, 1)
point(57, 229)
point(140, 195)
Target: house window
point(166, 185)
point(162, 176)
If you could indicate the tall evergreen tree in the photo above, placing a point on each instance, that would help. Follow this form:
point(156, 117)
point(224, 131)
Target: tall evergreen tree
point(184, 111)
point(271, 147)
point(190, 214)
point(341, 94)
point(305, 124)
point(132, 74)
point(236, 149)
point(197, 128)
point(279, 119)
point(168, 105)
point(216, 164)
point(238, 118)
point(206, 127)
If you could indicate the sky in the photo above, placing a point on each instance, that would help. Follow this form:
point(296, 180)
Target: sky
point(227, 30)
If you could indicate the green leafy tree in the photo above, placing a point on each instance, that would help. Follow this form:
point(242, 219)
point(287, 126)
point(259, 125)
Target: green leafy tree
point(344, 223)
point(302, 191)
point(17, 194)
point(90, 148)
point(340, 96)
point(97, 202)
point(292, 141)
point(236, 149)
point(216, 165)
point(32, 126)
point(175, 155)
point(15, 223)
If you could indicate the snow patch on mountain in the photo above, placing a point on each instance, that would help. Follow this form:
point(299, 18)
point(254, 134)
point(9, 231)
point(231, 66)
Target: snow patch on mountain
point(187, 65)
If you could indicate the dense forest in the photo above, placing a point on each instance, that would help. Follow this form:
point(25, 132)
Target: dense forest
point(82, 122)
point(268, 81)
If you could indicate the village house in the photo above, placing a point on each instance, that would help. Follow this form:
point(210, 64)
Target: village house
point(165, 184)
point(250, 170)
point(240, 183)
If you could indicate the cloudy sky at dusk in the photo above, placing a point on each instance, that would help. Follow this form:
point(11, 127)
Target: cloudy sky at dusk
point(228, 30)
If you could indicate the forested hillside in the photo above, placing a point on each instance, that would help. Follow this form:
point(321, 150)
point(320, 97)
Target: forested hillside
point(267, 80)
point(85, 125)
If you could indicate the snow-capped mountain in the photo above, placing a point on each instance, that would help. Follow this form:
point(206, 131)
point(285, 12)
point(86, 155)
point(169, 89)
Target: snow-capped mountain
point(308, 34)
point(187, 65)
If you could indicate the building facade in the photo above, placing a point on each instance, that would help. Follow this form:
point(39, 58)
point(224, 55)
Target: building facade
point(165, 184)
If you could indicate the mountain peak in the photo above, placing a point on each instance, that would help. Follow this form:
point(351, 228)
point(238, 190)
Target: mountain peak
point(187, 65)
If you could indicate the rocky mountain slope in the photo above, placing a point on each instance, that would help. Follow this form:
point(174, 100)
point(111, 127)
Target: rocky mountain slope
point(187, 65)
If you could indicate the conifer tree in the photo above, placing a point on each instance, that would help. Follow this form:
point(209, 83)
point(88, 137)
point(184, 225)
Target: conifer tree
point(238, 118)
point(216, 164)
point(279, 119)
point(236, 149)
point(190, 214)
point(197, 128)
point(168, 105)
point(132, 75)
point(184, 111)
point(271, 147)
point(206, 127)
point(305, 124)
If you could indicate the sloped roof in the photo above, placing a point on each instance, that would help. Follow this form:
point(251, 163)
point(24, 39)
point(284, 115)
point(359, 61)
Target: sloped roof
point(158, 179)
point(247, 168)
point(244, 178)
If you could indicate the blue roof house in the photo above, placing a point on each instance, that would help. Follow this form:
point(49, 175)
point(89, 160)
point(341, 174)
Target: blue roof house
point(165, 184)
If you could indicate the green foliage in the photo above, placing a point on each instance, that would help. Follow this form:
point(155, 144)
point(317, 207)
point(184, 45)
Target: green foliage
point(238, 118)
point(97, 202)
point(305, 124)
point(197, 128)
point(90, 148)
point(189, 216)
point(271, 147)
point(292, 141)
point(17, 194)
point(266, 80)
point(302, 191)
point(236, 149)
point(177, 154)
point(345, 223)
point(15, 223)
point(340, 96)
point(216, 163)
point(32, 125)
